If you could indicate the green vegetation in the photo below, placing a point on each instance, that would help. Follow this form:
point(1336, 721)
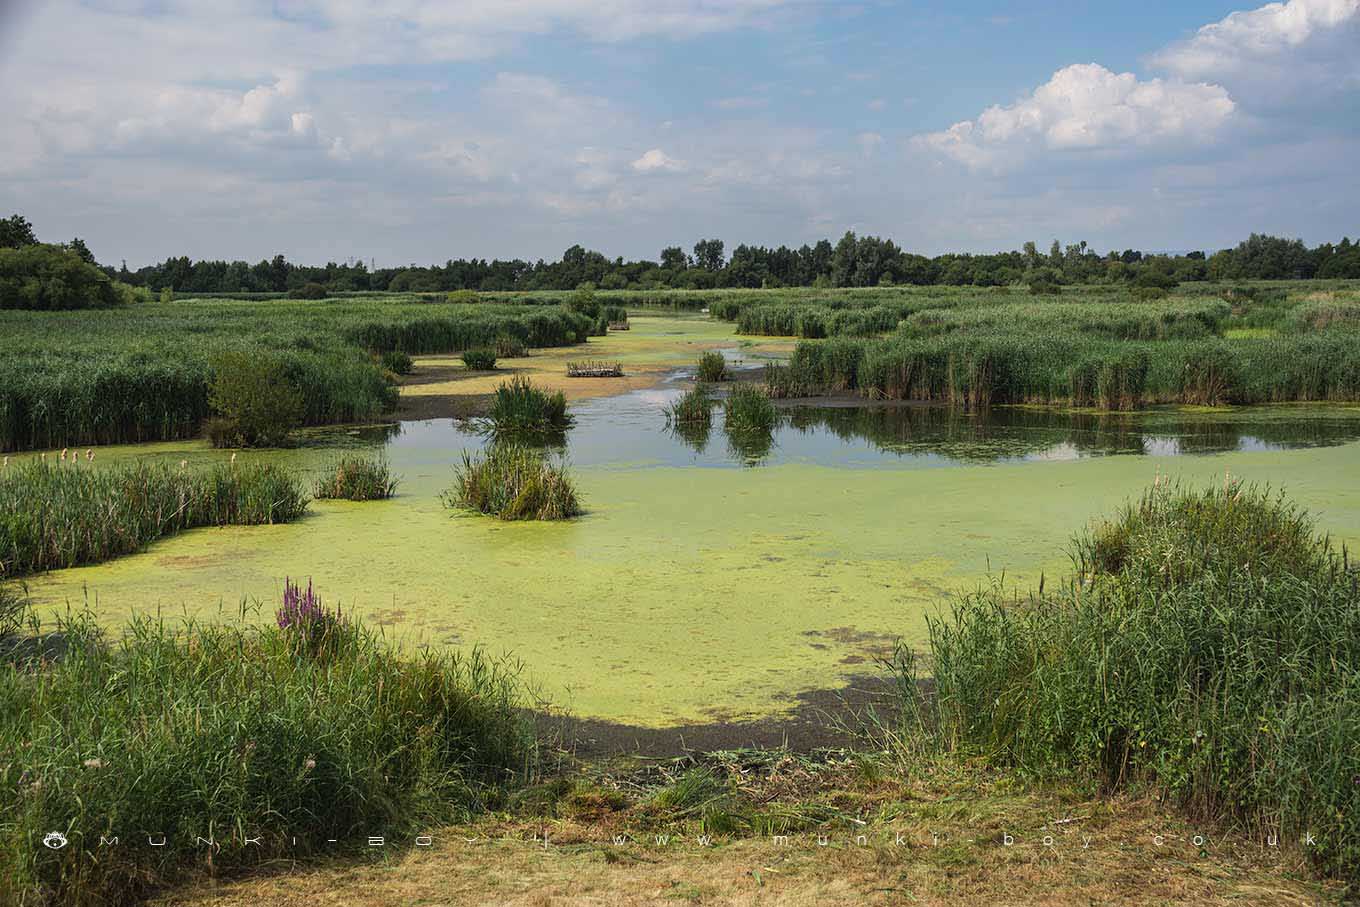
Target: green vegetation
point(521, 408)
point(747, 408)
point(37, 276)
point(226, 732)
point(357, 478)
point(256, 405)
point(396, 362)
point(513, 482)
point(712, 366)
point(1208, 645)
point(62, 514)
point(481, 359)
point(695, 406)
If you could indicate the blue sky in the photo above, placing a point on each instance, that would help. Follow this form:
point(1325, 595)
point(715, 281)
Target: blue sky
point(413, 132)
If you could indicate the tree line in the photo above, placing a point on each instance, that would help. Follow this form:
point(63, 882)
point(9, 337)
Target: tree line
point(853, 261)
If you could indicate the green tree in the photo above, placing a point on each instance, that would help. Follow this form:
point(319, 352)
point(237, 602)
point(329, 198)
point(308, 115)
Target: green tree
point(52, 277)
point(257, 405)
point(15, 232)
point(708, 254)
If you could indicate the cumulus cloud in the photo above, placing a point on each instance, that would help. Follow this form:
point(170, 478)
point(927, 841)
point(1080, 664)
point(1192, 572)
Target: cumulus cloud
point(1250, 37)
point(1086, 107)
point(656, 160)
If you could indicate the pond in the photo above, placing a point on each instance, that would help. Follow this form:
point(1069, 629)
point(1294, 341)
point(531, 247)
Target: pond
point(714, 577)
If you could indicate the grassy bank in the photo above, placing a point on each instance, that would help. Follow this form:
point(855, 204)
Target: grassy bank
point(66, 513)
point(1207, 648)
point(228, 733)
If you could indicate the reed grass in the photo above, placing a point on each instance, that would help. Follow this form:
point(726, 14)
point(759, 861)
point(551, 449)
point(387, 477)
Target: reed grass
point(695, 407)
point(712, 367)
point(1208, 645)
point(520, 408)
point(357, 478)
point(481, 359)
point(226, 732)
point(748, 409)
point(513, 482)
point(63, 514)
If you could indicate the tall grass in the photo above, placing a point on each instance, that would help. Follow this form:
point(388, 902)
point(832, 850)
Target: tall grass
point(1208, 645)
point(519, 407)
point(357, 478)
point(748, 408)
point(513, 482)
point(712, 366)
point(694, 407)
point(55, 515)
point(481, 359)
point(228, 732)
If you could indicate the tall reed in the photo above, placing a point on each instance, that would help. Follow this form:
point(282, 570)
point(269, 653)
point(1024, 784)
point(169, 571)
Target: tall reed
point(357, 478)
point(519, 407)
point(513, 482)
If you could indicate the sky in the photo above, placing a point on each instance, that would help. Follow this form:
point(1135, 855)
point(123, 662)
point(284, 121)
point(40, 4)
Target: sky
point(411, 132)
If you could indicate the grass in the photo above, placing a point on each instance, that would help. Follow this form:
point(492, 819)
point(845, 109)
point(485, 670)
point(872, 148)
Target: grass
point(228, 732)
point(518, 408)
point(695, 407)
point(1208, 647)
point(62, 514)
point(357, 478)
point(482, 359)
point(712, 367)
point(748, 409)
point(513, 482)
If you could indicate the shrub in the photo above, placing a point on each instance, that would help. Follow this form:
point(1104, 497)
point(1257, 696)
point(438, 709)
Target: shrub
point(226, 731)
point(55, 515)
point(712, 366)
point(43, 276)
point(357, 478)
point(1209, 645)
point(480, 360)
point(309, 291)
point(748, 409)
point(520, 407)
point(396, 362)
point(513, 482)
point(257, 403)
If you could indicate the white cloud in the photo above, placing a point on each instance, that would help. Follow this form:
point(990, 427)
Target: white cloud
point(656, 160)
point(1087, 108)
point(1245, 38)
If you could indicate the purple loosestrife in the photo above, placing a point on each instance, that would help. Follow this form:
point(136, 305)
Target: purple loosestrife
point(303, 614)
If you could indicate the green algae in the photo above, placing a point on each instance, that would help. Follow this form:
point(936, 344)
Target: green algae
point(684, 594)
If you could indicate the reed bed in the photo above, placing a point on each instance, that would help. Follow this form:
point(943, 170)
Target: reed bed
point(748, 409)
point(694, 407)
point(227, 731)
point(1207, 645)
point(520, 408)
point(514, 482)
point(356, 478)
point(63, 514)
point(712, 367)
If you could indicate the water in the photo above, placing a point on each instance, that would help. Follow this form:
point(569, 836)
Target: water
point(717, 578)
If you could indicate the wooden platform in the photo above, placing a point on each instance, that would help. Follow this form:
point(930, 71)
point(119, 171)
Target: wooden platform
point(594, 370)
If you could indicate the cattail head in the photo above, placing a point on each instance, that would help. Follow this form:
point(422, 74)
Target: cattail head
point(63, 454)
point(89, 455)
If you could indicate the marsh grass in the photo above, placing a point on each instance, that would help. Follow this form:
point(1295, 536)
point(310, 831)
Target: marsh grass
point(513, 482)
point(748, 409)
point(1208, 645)
point(695, 407)
point(55, 515)
point(229, 731)
point(520, 408)
point(357, 478)
point(712, 367)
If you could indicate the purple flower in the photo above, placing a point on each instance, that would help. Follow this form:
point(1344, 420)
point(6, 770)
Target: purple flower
point(303, 614)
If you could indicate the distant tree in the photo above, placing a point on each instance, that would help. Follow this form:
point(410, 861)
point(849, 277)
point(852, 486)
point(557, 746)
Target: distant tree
point(38, 276)
point(708, 254)
point(15, 232)
point(78, 246)
point(673, 258)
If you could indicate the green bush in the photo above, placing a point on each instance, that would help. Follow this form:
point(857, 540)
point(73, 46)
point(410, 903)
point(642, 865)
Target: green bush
point(519, 407)
point(1208, 645)
point(712, 366)
point(309, 291)
point(396, 362)
point(55, 515)
point(228, 732)
point(513, 482)
point(480, 360)
point(747, 408)
point(258, 406)
point(356, 478)
point(43, 276)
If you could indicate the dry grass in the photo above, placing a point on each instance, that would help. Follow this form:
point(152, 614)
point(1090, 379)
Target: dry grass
point(502, 860)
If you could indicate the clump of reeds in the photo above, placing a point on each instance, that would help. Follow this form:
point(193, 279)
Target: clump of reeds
point(117, 736)
point(508, 347)
point(748, 409)
point(712, 366)
point(396, 362)
point(480, 359)
point(357, 478)
point(519, 407)
point(694, 407)
point(513, 482)
point(1209, 644)
point(55, 515)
